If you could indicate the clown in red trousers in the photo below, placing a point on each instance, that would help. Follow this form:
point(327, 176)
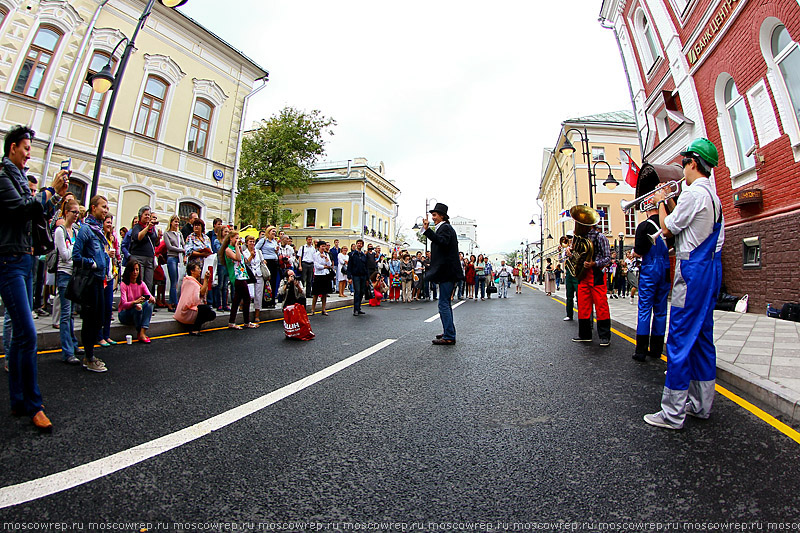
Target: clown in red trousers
point(592, 283)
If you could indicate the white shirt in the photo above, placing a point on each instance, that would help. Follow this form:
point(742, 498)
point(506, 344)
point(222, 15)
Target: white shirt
point(505, 271)
point(692, 221)
point(306, 253)
point(322, 263)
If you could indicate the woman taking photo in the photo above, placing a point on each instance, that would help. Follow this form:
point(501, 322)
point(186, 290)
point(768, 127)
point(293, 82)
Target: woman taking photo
point(64, 238)
point(254, 258)
point(104, 334)
point(90, 254)
point(176, 246)
point(269, 251)
point(230, 255)
point(19, 207)
point(136, 302)
point(192, 309)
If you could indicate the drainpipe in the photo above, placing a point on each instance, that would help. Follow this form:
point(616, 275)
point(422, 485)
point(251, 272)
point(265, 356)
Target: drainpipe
point(235, 180)
point(72, 73)
point(603, 21)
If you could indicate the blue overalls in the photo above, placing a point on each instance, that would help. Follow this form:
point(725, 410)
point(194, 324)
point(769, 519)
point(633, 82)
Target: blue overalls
point(691, 355)
point(654, 285)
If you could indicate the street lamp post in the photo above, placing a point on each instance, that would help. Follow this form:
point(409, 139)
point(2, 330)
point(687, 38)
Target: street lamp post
point(418, 226)
point(105, 80)
point(590, 169)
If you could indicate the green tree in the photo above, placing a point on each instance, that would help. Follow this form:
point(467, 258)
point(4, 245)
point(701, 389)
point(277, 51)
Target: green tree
point(277, 159)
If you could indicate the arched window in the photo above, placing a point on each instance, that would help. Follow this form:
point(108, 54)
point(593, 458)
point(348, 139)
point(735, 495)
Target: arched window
point(37, 61)
point(187, 208)
point(89, 102)
point(740, 125)
point(151, 108)
point(198, 131)
point(78, 188)
point(648, 46)
point(787, 57)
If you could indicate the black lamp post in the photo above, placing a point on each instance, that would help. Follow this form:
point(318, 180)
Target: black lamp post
point(567, 147)
point(105, 80)
point(418, 225)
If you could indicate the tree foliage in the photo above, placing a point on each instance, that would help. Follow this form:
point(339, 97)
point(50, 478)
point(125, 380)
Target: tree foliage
point(277, 159)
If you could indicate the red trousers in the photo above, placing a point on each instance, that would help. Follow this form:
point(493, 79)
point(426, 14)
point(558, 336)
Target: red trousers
point(590, 294)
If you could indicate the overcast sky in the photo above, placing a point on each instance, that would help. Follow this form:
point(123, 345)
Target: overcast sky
point(457, 98)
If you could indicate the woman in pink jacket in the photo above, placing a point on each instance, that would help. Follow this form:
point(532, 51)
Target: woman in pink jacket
point(192, 309)
point(136, 302)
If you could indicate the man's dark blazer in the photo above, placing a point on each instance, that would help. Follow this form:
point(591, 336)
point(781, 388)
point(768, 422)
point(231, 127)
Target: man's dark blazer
point(445, 263)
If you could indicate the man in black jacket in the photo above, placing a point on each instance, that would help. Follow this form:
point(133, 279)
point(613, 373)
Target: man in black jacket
point(445, 268)
point(357, 270)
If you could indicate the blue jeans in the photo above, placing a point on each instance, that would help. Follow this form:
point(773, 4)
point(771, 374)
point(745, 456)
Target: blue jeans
point(172, 270)
point(66, 326)
point(480, 281)
point(359, 288)
point(134, 317)
point(460, 284)
point(16, 287)
point(446, 310)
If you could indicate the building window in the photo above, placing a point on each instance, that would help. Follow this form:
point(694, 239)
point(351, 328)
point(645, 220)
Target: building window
point(151, 108)
point(77, 188)
point(36, 62)
point(89, 102)
point(751, 252)
point(187, 208)
point(605, 225)
point(372, 226)
point(787, 57)
point(630, 222)
point(740, 125)
point(625, 155)
point(198, 131)
point(648, 48)
point(311, 218)
point(598, 153)
point(336, 217)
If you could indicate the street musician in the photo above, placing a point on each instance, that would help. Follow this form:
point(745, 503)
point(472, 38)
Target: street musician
point(592, 280)
point(697, 224)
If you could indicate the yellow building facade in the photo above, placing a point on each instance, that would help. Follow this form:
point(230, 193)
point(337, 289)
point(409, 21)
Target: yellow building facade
point(565, 177)
point(175, 130)
point(346, 200)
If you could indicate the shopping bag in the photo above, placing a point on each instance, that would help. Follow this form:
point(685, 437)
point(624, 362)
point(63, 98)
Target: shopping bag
point(211, 261)
point(296, 324)
point(741, 305)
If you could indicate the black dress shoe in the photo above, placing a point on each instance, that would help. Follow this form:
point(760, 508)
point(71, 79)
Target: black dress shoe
point(639, 356)
point(439, 336)
point(361, 312)
point(443, 342)
point(578, 339)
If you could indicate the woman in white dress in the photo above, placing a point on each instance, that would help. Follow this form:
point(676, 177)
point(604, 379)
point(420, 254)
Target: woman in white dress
point(341, 279)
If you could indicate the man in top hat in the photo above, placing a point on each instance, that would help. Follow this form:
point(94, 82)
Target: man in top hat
point(445, 268)
point(697, 224)
point(654, 284)
point(592, 283)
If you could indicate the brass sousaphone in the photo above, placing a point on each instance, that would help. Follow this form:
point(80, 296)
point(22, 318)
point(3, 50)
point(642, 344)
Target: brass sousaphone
point(582, 250)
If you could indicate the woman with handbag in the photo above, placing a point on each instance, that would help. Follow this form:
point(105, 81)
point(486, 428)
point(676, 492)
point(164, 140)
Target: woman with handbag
point(65, 240)
point(104, 334)
point(256, 261)
point(230, 255)
point(269, 246)
point(176, 246)
point(22, 213)
point(480, 277)
point(341, 270)
point(90, 264)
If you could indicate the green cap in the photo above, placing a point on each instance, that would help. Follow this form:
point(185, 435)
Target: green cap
point(705, 149)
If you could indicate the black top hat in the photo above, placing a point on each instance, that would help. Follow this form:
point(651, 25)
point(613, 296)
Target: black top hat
point(439, 208)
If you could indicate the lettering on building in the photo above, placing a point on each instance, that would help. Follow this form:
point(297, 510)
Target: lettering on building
point(712, 30)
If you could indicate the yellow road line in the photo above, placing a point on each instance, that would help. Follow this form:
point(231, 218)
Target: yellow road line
point(741, 402)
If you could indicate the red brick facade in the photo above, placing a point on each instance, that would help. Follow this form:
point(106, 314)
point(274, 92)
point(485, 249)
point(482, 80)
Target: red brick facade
point(737, 51)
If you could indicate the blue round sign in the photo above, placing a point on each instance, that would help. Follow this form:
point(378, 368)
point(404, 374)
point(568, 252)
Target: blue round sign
point(218, 175)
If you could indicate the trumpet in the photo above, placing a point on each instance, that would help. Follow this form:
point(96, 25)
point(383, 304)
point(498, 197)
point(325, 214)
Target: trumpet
point(645, 201)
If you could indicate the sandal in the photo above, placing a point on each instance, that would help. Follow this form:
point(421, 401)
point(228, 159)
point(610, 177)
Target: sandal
point(252, 325)
point(234, 326)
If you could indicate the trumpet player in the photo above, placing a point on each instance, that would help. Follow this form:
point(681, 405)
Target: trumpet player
point(654, 285)
point(696, 222)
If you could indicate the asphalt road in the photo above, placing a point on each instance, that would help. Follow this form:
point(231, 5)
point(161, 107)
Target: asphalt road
point(513, 424)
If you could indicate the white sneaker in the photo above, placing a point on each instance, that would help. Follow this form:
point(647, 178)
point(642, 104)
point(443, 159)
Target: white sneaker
point(657, 420)
point(567, 319)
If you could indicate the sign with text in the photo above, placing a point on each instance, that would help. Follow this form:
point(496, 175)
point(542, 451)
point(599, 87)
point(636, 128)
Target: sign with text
point(713, 28)
point(749, 196)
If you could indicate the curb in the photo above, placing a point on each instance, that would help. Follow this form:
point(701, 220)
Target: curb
point(768, 393)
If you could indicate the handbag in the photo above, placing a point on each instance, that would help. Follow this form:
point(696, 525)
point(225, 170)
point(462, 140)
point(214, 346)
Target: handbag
point(41, 235)
point(344, 269)
point(370, 292)
point(741, 305)
point(251, 278)
point(78, 284)
point(265, 273)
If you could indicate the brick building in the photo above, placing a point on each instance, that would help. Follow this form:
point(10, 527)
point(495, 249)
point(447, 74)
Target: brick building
point(728, 70)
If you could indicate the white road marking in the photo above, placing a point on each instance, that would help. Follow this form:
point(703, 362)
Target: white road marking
point(48, 485)
point(436, 316)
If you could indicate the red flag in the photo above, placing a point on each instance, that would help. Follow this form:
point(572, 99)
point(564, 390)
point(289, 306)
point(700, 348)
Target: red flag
point(630, 170)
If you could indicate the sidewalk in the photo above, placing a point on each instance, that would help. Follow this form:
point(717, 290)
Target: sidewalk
point(755, 354)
